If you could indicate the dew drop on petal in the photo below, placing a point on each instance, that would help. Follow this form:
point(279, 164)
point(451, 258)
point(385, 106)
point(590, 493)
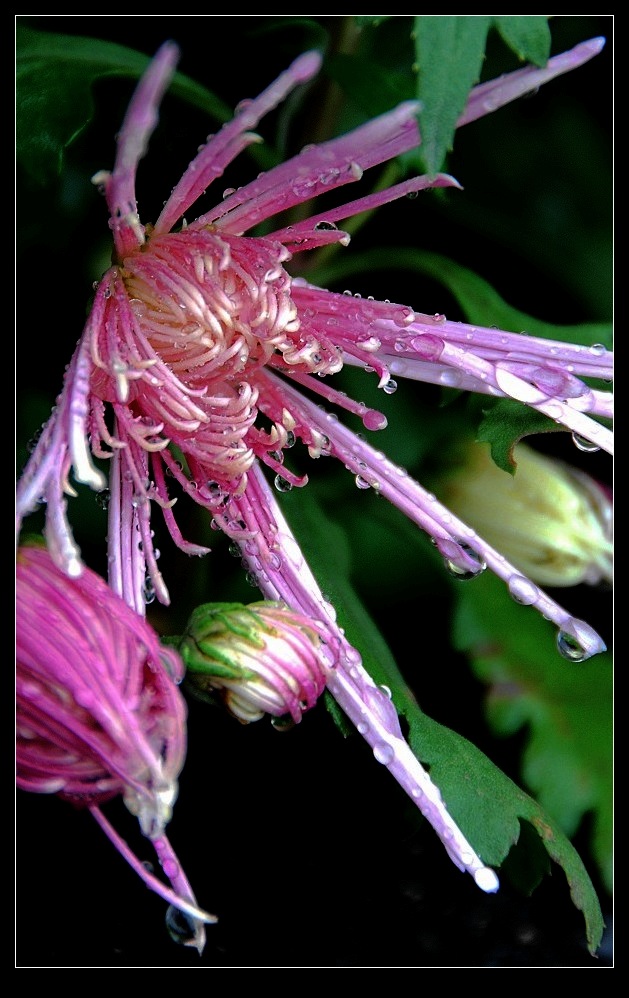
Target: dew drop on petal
point(374, 420)
point(361, 483)
point(523, 590)
point(451, 378)
point(384, 753)
point(390, 387)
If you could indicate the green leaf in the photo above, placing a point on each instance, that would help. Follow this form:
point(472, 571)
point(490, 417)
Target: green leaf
point(565, 708)
point(54, 102)
point(504, 423)
point(486, 804)
point(528, 35)
point(449, 52)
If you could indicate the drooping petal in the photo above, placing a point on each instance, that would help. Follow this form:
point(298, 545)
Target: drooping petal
point(282, 572)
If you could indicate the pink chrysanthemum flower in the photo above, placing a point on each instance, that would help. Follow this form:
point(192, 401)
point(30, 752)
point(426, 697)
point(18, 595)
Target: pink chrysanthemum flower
point(198, 346)
point(99, 713)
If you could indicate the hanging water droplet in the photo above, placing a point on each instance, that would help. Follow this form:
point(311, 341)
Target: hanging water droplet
point(569, 647)
point(281, 484)
point(361, 482)
point(583, 444)
point(523, 590)
point(390, 388)
point(148, 591)
point(374, 420)
point(384, 753)
point(180, 926)
point(290, 440)
point(461, 572)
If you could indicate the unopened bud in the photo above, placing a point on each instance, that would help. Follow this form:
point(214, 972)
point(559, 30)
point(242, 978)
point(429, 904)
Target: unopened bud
point(261, 659)
point(552, 521)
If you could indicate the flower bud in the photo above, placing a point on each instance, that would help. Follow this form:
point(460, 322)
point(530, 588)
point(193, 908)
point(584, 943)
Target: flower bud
point(262, 658)
point(552, 521)
point(99, 712)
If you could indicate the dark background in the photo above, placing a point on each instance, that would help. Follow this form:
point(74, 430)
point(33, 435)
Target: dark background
point(308, 852)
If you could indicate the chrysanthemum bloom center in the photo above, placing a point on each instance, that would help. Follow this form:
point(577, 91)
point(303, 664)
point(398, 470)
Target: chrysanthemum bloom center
point(213, 308)
point(198, 315)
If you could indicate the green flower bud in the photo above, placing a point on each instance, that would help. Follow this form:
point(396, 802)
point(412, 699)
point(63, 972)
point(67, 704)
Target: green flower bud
point(552, 521)
point(261, 658)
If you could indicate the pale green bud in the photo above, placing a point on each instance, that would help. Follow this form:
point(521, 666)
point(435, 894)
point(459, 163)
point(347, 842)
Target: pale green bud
point(550, 520)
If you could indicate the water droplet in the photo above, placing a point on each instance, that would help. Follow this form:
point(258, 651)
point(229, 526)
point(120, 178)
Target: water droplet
point(412, 195)
point(180, 926)
point(450, 378)
point(361, 482)
point(523, 590)
point(390, 388)
point(379, 704)
point(598, 349)
point(374, 420)
point(570, 648)
point(384, 753)
point(325, 226)
point(281, 484)
point(583, 444)
point(462, 573)
point(362, 728)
